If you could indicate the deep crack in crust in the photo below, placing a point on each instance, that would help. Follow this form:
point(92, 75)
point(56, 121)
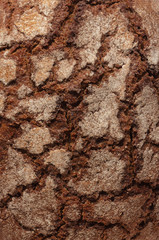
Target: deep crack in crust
point(79, 108)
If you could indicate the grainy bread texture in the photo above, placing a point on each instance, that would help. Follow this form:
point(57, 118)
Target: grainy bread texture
point(79, 120)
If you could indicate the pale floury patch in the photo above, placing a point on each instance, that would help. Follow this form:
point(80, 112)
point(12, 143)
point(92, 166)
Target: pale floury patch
point(2, 102)
point(89, 35)
point(147, 109)
point(65, 69)
point(104, 173)
point(7, 36)
point(37, 210)
point(60, 158)
point(117, 81)
point(72, 212)
point(101, 117)
point(79, 144)
point(148, 10)
point(150, 168)
point(120, 45)
point(7, 70)
point(147, 118)
point(17, 172)
point(84, 233)
point(43, 68)
point(31, 24)
point(96, 26)
point(33, 139)
point(128, 212)
point(23, 91)
point(23, 3)
point(48, 6)
point(150, 230)
point(103, 107)
point(157, 209)
point(42, 108)
point(115, 233)
point(11, 230)
point(154, 136)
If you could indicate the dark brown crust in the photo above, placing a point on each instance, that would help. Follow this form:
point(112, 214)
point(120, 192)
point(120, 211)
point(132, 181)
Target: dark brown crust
point(70, 111)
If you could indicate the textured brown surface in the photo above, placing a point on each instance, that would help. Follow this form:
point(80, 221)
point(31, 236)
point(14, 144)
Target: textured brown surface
point(79, 120)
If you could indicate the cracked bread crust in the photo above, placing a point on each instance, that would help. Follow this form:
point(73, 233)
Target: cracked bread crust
point(79, 130)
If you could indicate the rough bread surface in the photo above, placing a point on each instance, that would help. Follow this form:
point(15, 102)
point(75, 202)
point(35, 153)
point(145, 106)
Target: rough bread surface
point(79, 120)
